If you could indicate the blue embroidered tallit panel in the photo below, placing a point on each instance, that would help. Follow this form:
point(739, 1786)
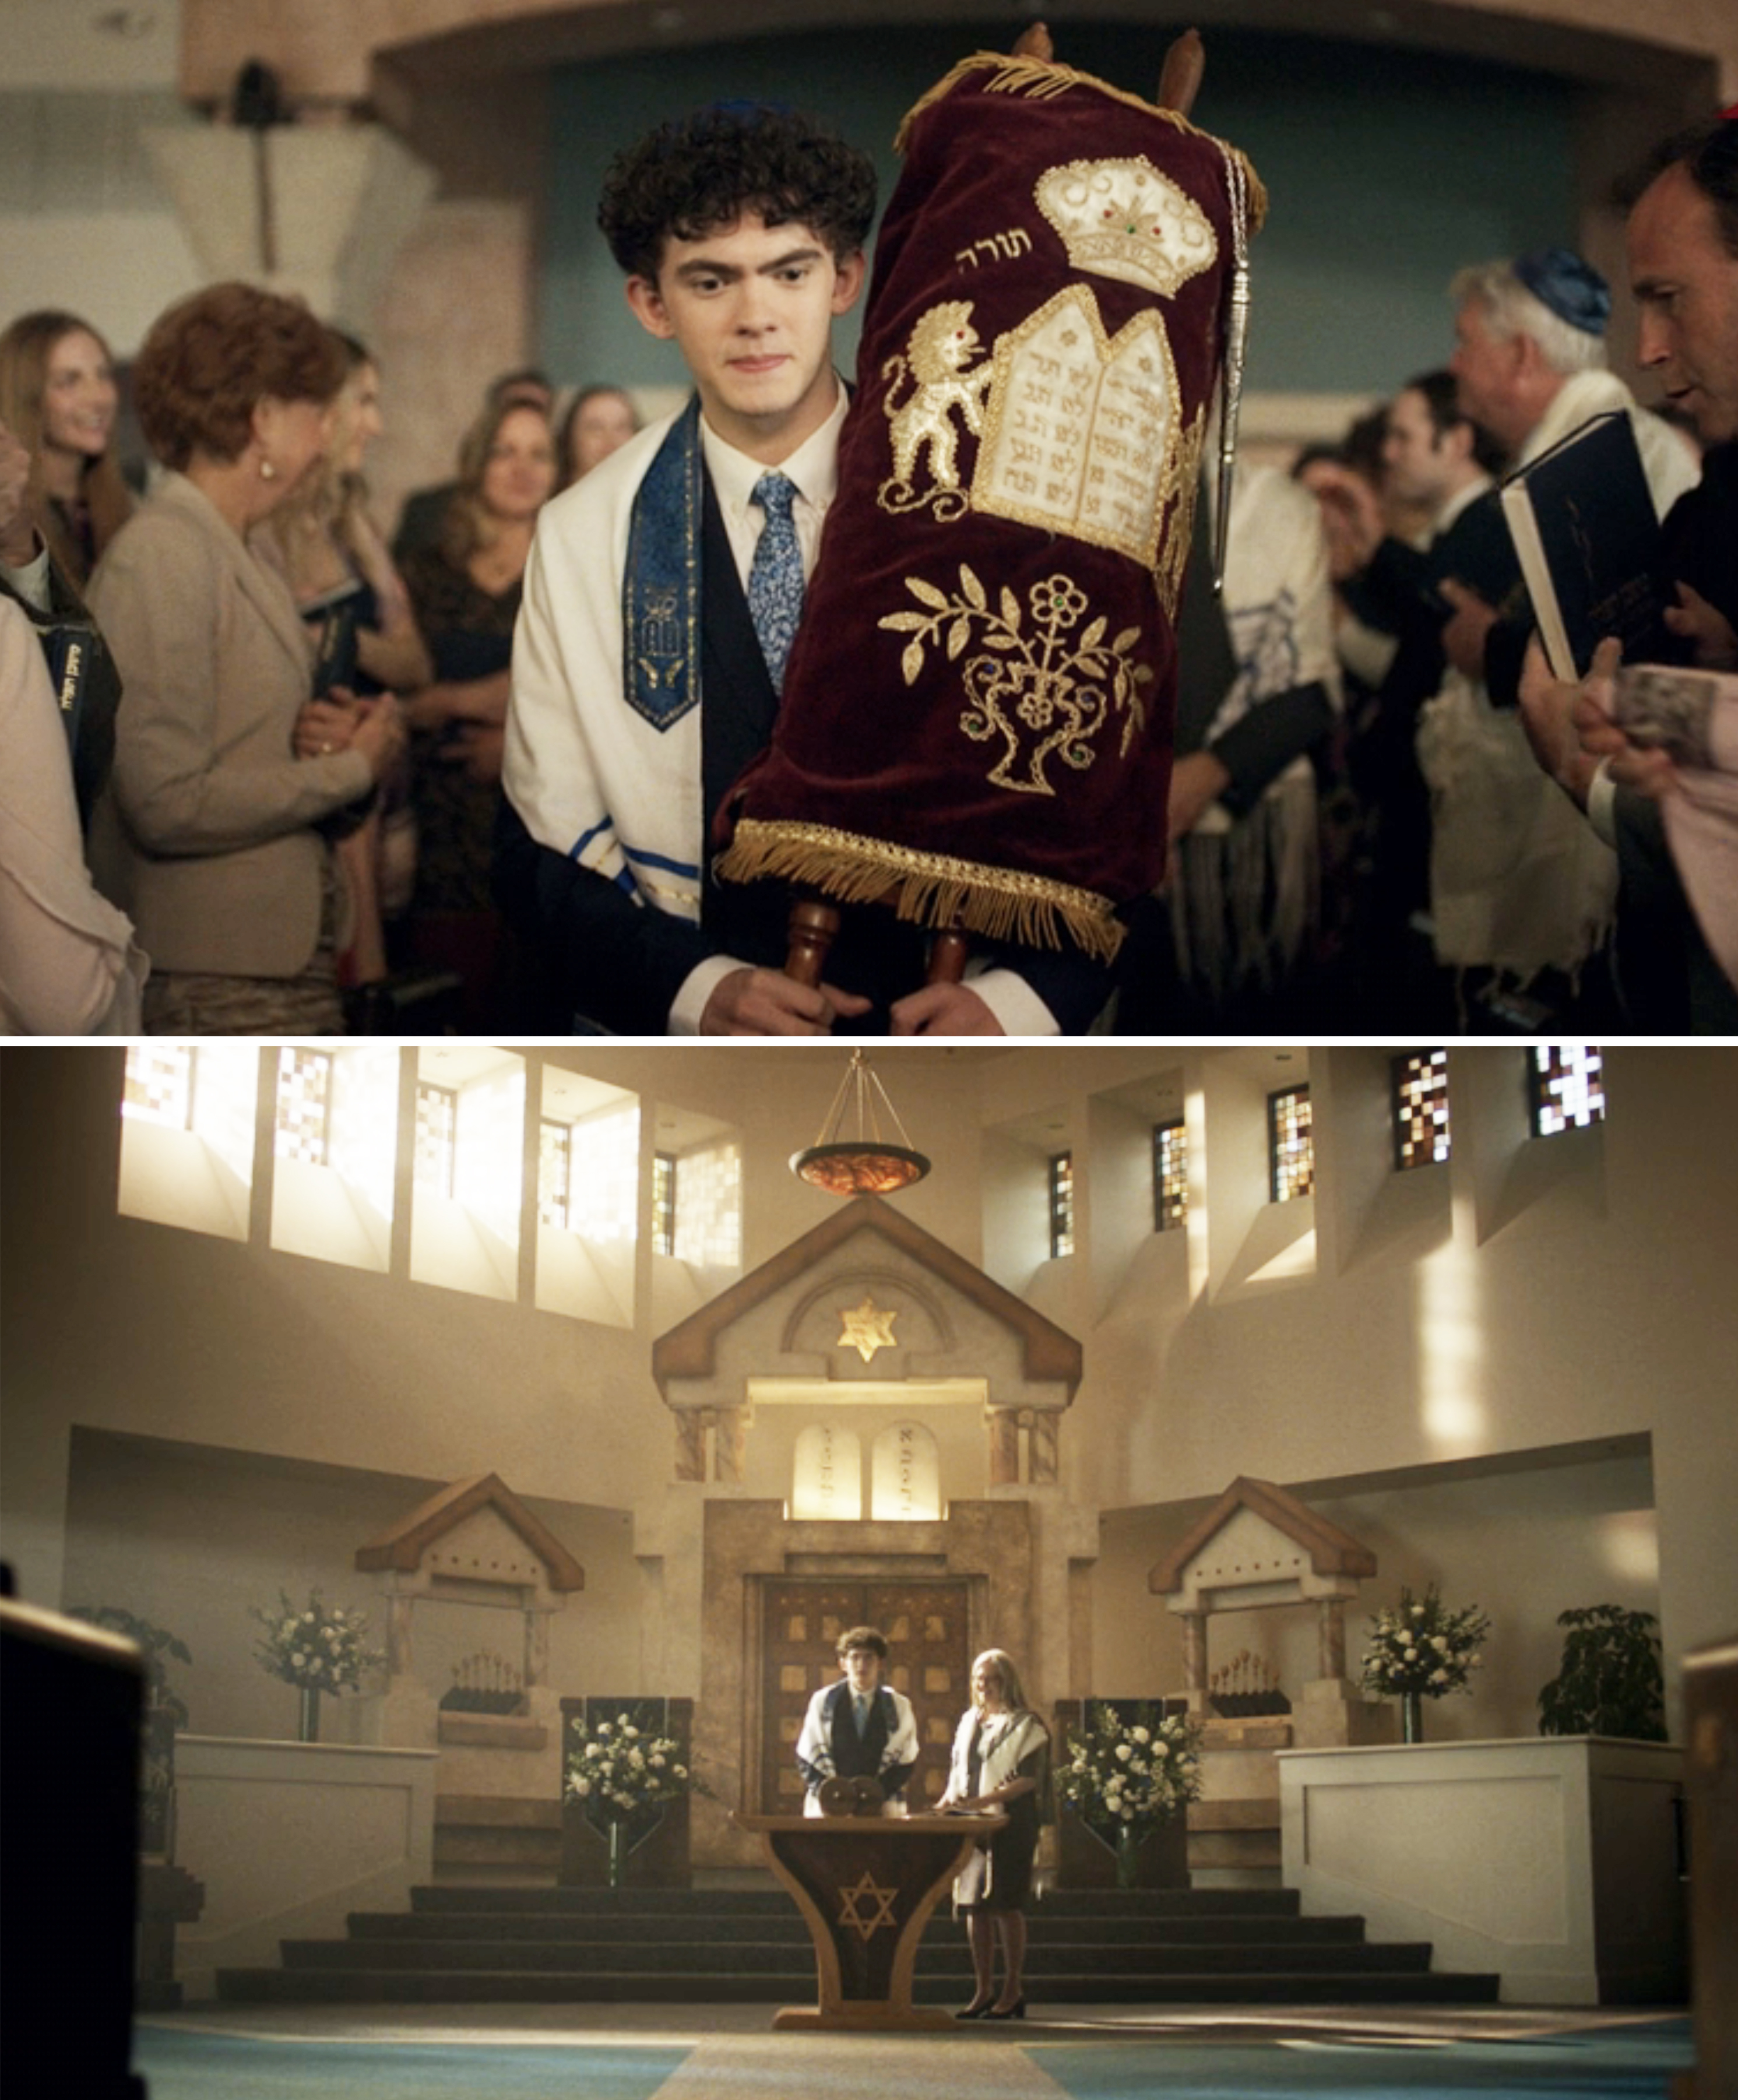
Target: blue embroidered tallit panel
point(661, 587)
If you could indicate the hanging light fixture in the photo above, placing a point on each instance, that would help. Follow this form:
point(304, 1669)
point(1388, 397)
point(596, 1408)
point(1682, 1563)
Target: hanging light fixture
point(867, 1164)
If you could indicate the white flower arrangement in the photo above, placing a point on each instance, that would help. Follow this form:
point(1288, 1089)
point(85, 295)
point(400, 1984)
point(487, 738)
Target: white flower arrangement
point(1422, 1647)
point(320, 1647)
point(1132, 1775)
point(620, 1770)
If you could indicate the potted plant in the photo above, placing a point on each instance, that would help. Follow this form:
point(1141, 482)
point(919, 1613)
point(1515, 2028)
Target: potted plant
point(1127, 1775)
point(623, 1773)
point(317, 1648)
point(1610, 1682)
point(1422, 1650)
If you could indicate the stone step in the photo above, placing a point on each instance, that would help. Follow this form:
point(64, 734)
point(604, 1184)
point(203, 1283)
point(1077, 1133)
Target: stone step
point(642, 1928)
point(751, 1957)
point(540, 1945)
point(1125, 1903)
point(797, 1987)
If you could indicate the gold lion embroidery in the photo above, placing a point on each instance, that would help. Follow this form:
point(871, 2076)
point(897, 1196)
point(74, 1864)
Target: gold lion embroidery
point(1044, 698)
point(943, 343)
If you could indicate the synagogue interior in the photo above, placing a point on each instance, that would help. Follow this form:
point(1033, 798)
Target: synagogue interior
point(394, 1325)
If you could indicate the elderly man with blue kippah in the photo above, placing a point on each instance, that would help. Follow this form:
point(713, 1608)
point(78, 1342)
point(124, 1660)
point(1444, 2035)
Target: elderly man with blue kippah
point(1530, 363)
point(1522, 891)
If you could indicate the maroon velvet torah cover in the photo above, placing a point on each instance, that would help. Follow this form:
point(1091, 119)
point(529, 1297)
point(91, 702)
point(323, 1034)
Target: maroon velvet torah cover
point(975, 725)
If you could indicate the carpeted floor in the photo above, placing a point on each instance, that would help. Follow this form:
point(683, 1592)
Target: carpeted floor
point(726, 2052)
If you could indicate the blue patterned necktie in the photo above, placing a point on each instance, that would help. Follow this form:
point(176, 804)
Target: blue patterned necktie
point(775, 575)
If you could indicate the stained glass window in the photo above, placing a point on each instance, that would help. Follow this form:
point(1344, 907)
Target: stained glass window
point(304, 1107)
point(708, 1206)
point(160, 1084)
point(604, 1191)
point(437, 1137)
point(1169, 1176)
point(1568, 1087)
point(554, 1172)
point(664, 1202)
point(1061, 1203)
point(1421, 1109)
point(1291, 1150)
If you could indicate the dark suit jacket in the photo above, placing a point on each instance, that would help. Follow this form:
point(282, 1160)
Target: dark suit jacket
point(619, 966)
point(1668, 981)
point(859, 1756)
point(1405, 583)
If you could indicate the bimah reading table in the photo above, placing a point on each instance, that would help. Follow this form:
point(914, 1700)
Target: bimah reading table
point(866, 1885)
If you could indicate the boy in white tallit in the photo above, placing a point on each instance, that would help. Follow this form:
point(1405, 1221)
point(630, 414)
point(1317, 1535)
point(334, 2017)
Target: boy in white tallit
point(858, 1727)
point(645, 676)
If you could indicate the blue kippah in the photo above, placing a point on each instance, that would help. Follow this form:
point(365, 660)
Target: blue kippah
point(1573, 289)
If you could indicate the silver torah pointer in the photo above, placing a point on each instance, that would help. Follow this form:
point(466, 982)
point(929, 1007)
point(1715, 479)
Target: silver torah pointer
point(1231, 376)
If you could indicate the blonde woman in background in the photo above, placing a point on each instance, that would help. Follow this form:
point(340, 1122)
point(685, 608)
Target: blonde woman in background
point(324, 542)
point(58, 398)
point(1000, 1766)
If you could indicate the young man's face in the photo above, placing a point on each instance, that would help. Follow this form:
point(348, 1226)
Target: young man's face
point(862, 1668)
point(1685, 280)
point(751, 308)
point(1413, 450)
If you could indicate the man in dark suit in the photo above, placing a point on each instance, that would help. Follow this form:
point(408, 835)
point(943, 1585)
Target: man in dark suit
point(660, 599)
point(1683, 243)
point(859, 1727)
point(1437, 461)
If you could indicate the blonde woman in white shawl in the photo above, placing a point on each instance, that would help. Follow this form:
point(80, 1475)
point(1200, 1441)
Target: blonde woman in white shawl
point(1001, 1766)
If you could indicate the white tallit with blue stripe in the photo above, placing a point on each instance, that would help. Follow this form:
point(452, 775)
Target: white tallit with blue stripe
point(615, 722)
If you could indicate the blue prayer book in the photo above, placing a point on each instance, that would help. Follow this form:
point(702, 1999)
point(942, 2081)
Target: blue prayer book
point(1588, 539)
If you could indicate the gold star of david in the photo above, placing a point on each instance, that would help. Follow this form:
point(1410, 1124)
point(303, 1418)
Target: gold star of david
point(867, 1329)
point(851, 1902)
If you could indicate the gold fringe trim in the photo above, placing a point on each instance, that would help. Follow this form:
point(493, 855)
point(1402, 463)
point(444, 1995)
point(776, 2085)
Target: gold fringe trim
point(929, 888)
point(1043, 81)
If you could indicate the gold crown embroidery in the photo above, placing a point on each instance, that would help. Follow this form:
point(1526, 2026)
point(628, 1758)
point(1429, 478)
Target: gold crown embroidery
point(1124, 218)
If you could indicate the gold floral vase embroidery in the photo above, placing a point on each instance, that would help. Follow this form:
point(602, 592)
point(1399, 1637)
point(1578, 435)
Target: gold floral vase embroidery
point(1045, 692)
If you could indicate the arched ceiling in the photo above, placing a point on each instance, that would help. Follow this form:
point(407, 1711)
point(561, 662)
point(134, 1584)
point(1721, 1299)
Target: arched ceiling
point(1668, 53)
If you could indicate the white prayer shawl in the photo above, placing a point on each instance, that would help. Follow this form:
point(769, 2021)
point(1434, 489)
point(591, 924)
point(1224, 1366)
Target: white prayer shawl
point(589, 776)
point(1245, 892)
point(1519, 881)
point(815, 1739)
point(1005, 1746)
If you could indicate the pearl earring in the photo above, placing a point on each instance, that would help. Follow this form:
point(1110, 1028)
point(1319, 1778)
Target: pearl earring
point(267, 471)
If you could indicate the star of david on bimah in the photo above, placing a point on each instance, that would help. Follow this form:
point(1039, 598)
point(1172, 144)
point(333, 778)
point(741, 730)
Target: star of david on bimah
point(867, 1329)
point(851, 1902)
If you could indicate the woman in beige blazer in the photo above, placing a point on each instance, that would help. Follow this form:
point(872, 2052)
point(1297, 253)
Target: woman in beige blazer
point(215, 833)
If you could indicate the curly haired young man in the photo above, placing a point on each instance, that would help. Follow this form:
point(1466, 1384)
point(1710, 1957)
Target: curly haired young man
point(642, 684)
